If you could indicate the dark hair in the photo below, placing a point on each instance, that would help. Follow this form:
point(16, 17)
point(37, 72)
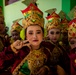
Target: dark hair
point(35, 4)
point(42, 29)
point(48, 14)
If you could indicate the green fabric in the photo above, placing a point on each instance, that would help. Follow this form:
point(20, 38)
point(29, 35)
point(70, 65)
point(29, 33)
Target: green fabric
point(22, 34)
point(24, 69)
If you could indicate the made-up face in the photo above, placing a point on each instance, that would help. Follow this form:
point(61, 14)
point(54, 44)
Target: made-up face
point(72, 43)
point(34, 35)
point(54, 35)
point(15, 35)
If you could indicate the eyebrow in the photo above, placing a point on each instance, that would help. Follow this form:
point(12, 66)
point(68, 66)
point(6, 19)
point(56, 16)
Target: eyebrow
point(38, 30)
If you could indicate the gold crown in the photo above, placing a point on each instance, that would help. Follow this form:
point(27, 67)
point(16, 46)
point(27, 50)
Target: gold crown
point(53, 21)
point(72, 29)
point(16, 26)
point(33, 16)
point(64, 25)
point(72, 26)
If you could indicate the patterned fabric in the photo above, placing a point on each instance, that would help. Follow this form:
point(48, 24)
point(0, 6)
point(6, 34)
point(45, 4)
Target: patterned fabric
point(58, 54)
point(32, 62)
point(53, 21)
point(32, 16)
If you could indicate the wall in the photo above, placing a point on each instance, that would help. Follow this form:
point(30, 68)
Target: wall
point(12, 11)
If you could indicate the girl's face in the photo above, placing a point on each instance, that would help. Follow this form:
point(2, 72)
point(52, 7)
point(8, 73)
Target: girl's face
point(54, 35)
point(15, 35)
point(73, 43)
point(34, 35)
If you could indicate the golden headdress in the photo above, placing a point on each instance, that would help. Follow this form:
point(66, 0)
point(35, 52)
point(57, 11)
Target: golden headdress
point(72, 27)
point(64, 21)
point(64, 25)
point(53, 21)
point(32, 16)
point(16, 26)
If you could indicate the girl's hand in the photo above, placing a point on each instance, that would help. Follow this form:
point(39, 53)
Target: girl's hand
point(26, 43)
point(17, 45)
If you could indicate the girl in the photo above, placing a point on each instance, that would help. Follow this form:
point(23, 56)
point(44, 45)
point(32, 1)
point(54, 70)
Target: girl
point(15, 32)
point(28, 57)
point(59, 56)
point(37, 61)
point(72, 43)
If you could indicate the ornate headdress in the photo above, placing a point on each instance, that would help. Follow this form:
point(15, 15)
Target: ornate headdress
point(72, 27)
point(32, 16)
point(53, 21)
point(64, 21)
point(64, 25)
point(16, 26)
